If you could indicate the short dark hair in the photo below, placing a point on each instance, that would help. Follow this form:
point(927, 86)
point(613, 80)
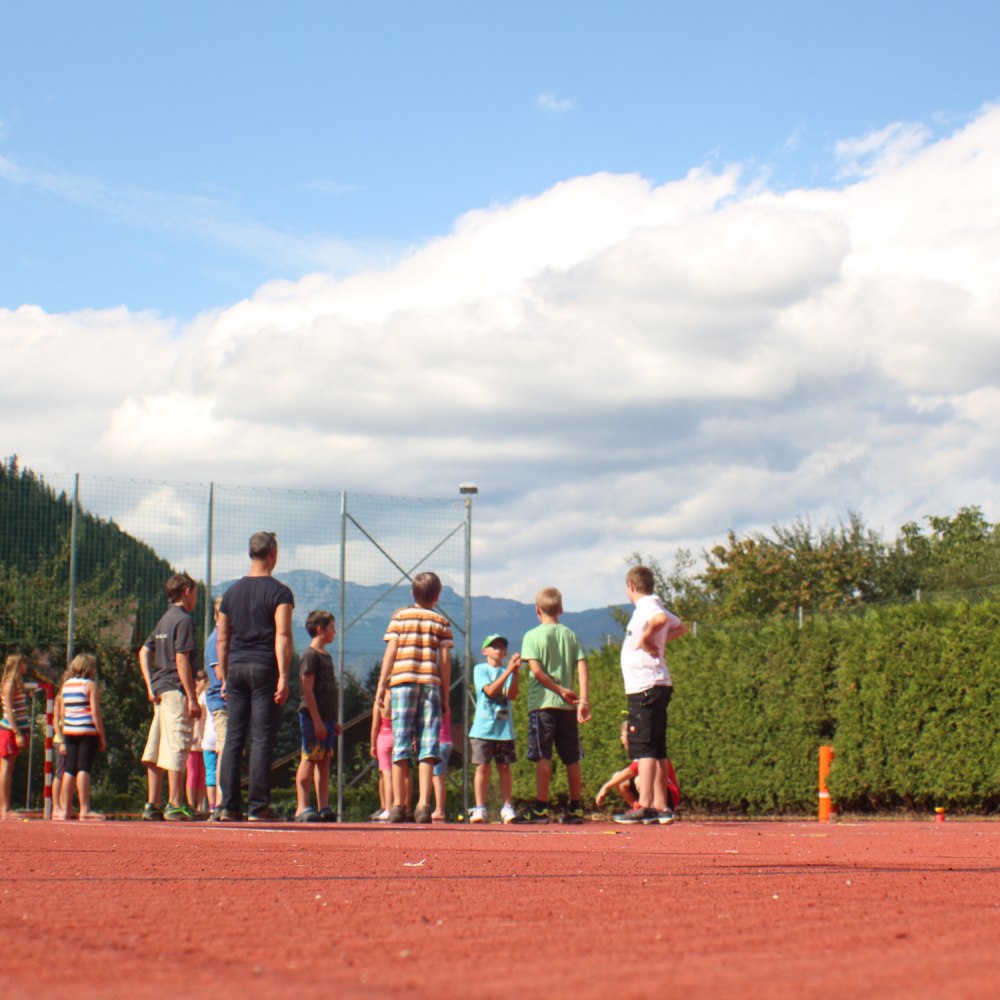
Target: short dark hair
point(262, 544)
point(318, 620)
point(426, 588)
point(176, 586)
point(641, 578)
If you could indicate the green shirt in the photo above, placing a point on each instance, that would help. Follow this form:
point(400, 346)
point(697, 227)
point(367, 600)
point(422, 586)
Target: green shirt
point(558, 650)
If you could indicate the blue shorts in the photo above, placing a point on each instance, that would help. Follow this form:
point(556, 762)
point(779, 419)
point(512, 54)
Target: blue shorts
point(441, 767)
point(416, 721)
point(315, 749)
point(211, 775)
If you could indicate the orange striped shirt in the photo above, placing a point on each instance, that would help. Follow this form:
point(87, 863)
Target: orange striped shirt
point(421, 632)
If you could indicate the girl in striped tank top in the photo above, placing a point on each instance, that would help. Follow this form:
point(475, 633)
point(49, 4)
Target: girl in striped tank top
point(83, 733)
point(13, 724)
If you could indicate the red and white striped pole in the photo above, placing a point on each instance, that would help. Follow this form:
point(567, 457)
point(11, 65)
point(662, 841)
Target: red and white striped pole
point(50, 709)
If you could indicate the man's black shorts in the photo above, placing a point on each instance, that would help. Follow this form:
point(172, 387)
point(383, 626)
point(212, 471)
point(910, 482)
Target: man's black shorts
point(647, 722)
point(554, 725)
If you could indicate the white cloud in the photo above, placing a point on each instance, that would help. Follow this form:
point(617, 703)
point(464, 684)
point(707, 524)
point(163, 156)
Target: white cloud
point(619, 366)
point(549, 102)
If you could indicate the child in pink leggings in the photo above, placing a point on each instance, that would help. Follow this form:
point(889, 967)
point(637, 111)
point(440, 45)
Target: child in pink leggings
point(381, 748)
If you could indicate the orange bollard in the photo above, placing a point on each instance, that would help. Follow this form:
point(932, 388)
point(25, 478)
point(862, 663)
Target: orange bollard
point(827, 810)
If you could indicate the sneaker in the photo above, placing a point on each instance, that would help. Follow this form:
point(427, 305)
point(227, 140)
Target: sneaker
point(507, 814)
point(177, 813)
point(572, 816)
point(533, 815)
point(397, 814)
point(220, 815)
point(637, 815)
point(307, 816)
point(424, 814)
point(327, 815)
point(477, 814)
point(152, 812)
point(267, 815)
point(665, 817)
point(382, 817)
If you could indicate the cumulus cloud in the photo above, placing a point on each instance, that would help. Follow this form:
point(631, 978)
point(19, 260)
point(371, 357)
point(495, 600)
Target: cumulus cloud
point(619, 366)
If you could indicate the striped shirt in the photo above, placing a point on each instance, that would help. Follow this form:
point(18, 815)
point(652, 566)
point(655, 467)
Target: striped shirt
point(78, 720)
point(18, 704)
point(421, 633)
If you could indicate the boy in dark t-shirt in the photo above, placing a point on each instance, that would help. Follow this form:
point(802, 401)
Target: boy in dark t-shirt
point(167, 663)
point(318, 719)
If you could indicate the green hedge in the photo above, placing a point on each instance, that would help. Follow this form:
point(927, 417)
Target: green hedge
point(919, 712)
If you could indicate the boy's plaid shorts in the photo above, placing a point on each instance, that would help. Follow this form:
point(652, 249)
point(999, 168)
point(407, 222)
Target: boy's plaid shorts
point(416, 721)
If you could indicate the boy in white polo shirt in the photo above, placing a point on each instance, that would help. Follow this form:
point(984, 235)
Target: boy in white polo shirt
point(648, 688)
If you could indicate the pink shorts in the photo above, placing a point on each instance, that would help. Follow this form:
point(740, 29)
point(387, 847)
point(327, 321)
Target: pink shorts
point(196, 769)
point(9, 747)
point(383, 750)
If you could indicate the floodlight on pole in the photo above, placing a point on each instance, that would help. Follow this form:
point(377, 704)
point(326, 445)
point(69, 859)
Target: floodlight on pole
point(468, 490)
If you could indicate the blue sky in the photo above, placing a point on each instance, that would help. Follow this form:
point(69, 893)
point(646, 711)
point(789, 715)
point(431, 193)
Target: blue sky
point(645, 272)
point(176, 156)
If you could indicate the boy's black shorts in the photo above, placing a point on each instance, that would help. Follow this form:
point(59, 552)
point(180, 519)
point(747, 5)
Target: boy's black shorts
point(647, 722)
point(548, 726)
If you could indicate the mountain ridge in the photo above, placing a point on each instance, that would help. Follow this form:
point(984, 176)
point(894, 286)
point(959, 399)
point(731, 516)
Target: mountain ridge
point(368, 608)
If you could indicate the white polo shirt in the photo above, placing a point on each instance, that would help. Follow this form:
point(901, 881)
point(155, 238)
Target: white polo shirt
point(640, 670)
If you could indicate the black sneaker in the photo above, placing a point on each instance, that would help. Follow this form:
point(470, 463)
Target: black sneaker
point(220, 815)
point(637, 815)
point(267, 815)
point(152, 812)
point(572, 816)
point(533, 816)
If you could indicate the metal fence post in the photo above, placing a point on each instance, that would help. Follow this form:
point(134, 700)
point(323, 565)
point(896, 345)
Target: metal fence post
point(71, 616)
point(342, 628)
point(467, 665)
point(209, 603)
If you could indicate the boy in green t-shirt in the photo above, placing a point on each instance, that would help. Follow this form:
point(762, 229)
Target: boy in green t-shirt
point(552, 652)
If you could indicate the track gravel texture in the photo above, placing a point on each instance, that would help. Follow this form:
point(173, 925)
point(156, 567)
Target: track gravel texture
point(741, 910)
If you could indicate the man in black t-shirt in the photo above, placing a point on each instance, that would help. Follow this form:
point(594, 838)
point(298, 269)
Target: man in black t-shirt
point(167, 660)
point(255, 658)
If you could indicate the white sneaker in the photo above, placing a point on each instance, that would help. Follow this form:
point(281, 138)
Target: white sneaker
point(382, 817)
point(507, 814)
point(477, 814)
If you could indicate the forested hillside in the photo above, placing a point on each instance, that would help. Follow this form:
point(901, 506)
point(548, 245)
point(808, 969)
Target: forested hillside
point(119, 579)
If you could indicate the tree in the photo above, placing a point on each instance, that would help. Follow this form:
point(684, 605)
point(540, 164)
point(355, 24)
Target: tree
point(819, 570)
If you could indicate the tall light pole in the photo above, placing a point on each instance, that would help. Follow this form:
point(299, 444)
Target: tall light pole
point(468, 490)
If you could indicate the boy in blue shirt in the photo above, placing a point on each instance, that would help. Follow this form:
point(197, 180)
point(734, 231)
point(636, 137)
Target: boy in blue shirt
point(492, 734)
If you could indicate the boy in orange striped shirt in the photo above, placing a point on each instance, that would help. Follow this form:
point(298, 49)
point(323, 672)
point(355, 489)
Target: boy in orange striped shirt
point(416, 669)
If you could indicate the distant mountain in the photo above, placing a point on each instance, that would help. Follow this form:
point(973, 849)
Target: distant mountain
point(367, 611)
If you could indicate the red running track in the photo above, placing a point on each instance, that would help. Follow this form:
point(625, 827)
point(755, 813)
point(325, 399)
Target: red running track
point(744, 910)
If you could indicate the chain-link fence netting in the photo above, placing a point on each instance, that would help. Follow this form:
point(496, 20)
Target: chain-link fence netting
point(96, 580)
